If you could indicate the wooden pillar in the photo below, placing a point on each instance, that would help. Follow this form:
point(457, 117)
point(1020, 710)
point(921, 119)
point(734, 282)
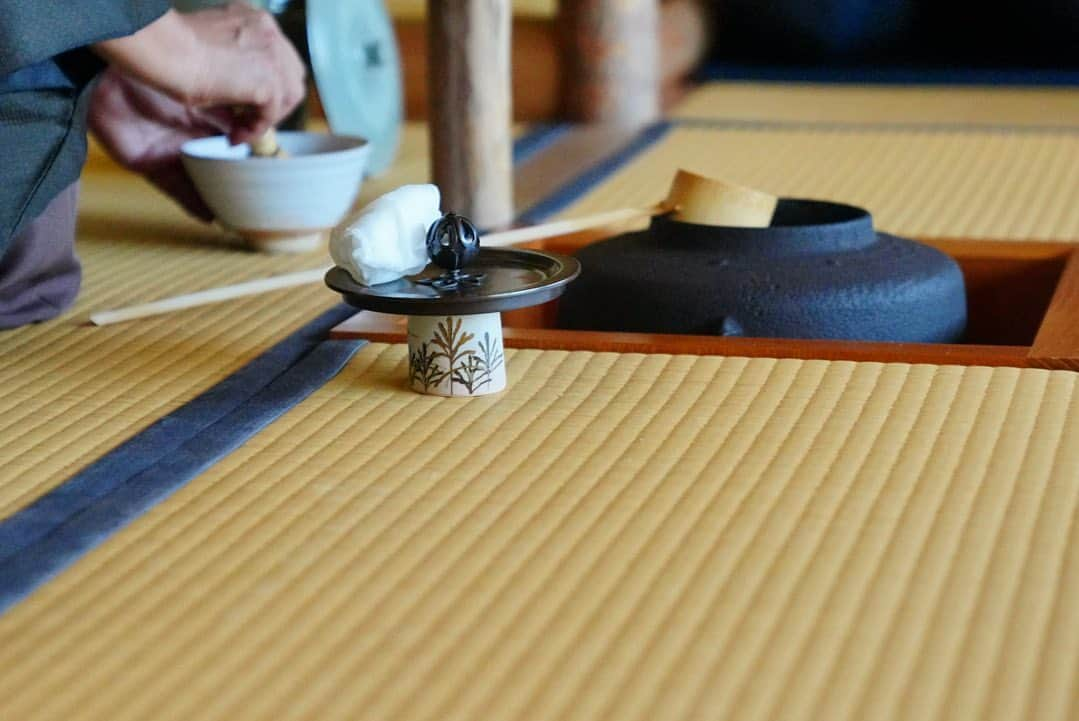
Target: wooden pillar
point(470, 112)
point(612, 73)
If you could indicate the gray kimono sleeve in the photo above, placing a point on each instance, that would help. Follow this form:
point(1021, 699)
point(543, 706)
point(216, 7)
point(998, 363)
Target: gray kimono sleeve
point(45, 84)
point(35, 30)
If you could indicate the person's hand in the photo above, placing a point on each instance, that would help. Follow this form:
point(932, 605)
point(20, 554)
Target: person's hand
point(229, 58)
point(143, 129)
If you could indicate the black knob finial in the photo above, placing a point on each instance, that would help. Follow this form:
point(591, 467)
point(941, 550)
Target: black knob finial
point(453, 242)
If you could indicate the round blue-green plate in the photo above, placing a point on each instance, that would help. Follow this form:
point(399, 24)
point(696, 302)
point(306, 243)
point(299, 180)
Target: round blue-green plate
point(357, 69)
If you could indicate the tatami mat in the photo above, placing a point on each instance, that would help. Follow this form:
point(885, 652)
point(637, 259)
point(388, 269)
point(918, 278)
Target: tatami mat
point(413, 9)
point(919, 182)
point(868, 104)
point(622, 537)
point(616, 536)
point(72, 392)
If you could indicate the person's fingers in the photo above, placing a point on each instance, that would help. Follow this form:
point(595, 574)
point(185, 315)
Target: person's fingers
point(249, 129)
point(286, 82)
point(266, 97)
point(293, 69)
point(237, 56)
point(217, 120)
point(295, 89)
point(257, 119)
point(243, 81)
point(283, 75)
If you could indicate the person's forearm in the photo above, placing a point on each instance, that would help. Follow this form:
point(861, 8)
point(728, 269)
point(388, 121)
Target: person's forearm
point(156, 55)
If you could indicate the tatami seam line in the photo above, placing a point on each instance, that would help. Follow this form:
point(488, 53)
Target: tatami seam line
point(48, 535)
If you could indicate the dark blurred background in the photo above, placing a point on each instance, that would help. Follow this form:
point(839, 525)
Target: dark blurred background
point(902, 33)
point(907, 41)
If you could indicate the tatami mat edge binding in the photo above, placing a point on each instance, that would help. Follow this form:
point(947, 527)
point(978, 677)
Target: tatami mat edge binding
point(594, 175)
point(73, 392)
point(879, 126)
point(538, 138)
point(876, 105)
point(51, 533)
point(988, 163)
point(931, 182)
point(995, 78)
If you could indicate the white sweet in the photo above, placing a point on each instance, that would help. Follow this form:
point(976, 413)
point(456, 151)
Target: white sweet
point(387, 239)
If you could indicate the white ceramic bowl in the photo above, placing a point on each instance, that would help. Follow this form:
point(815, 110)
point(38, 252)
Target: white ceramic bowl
point(279, 205)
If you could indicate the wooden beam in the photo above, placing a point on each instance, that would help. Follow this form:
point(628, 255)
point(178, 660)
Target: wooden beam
point(538, 59)
point(612, 69)
point(470, 115)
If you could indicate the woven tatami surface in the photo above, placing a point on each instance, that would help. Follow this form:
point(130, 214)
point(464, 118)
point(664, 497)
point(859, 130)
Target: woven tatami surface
point(622, 537)
point(72, 392)
point(413, 9)
point(809, 103)
point(925, 182)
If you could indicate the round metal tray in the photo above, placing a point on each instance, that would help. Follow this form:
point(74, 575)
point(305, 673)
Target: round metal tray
point(513, 279)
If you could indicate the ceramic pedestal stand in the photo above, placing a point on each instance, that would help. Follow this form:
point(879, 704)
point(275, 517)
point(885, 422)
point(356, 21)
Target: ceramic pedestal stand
point(455, 329)
point(458, 355)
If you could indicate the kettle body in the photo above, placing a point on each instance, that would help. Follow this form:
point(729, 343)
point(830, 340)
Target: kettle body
point(820, 271)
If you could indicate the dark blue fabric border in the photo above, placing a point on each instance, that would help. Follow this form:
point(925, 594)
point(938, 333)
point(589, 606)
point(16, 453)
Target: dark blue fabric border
point(539, 137)
point(869, 126)
point(50, 534)
point(595, 175)
point(890, 75)
point(42, 539)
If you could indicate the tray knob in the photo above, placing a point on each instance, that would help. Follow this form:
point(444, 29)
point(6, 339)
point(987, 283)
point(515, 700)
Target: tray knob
point(453, 242)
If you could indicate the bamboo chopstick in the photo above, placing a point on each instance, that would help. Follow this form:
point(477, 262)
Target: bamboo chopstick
point(289, 280)
point(205, 297)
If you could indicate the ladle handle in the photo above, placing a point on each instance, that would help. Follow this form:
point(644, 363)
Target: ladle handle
point(288, 280)
point(517, 236)
point(211, 295)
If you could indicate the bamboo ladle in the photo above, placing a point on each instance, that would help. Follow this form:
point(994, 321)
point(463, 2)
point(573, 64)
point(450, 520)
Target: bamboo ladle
point(692, 198)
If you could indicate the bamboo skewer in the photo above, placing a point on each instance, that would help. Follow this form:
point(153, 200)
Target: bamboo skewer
point(304, 277)
point(692, 198)
point(206, 297)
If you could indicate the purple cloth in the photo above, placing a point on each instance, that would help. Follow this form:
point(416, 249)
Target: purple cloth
point(39, 272)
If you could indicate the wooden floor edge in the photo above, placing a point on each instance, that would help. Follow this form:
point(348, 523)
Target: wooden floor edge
point(1056, 346)
point(1057, 342)
point(382, 331)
